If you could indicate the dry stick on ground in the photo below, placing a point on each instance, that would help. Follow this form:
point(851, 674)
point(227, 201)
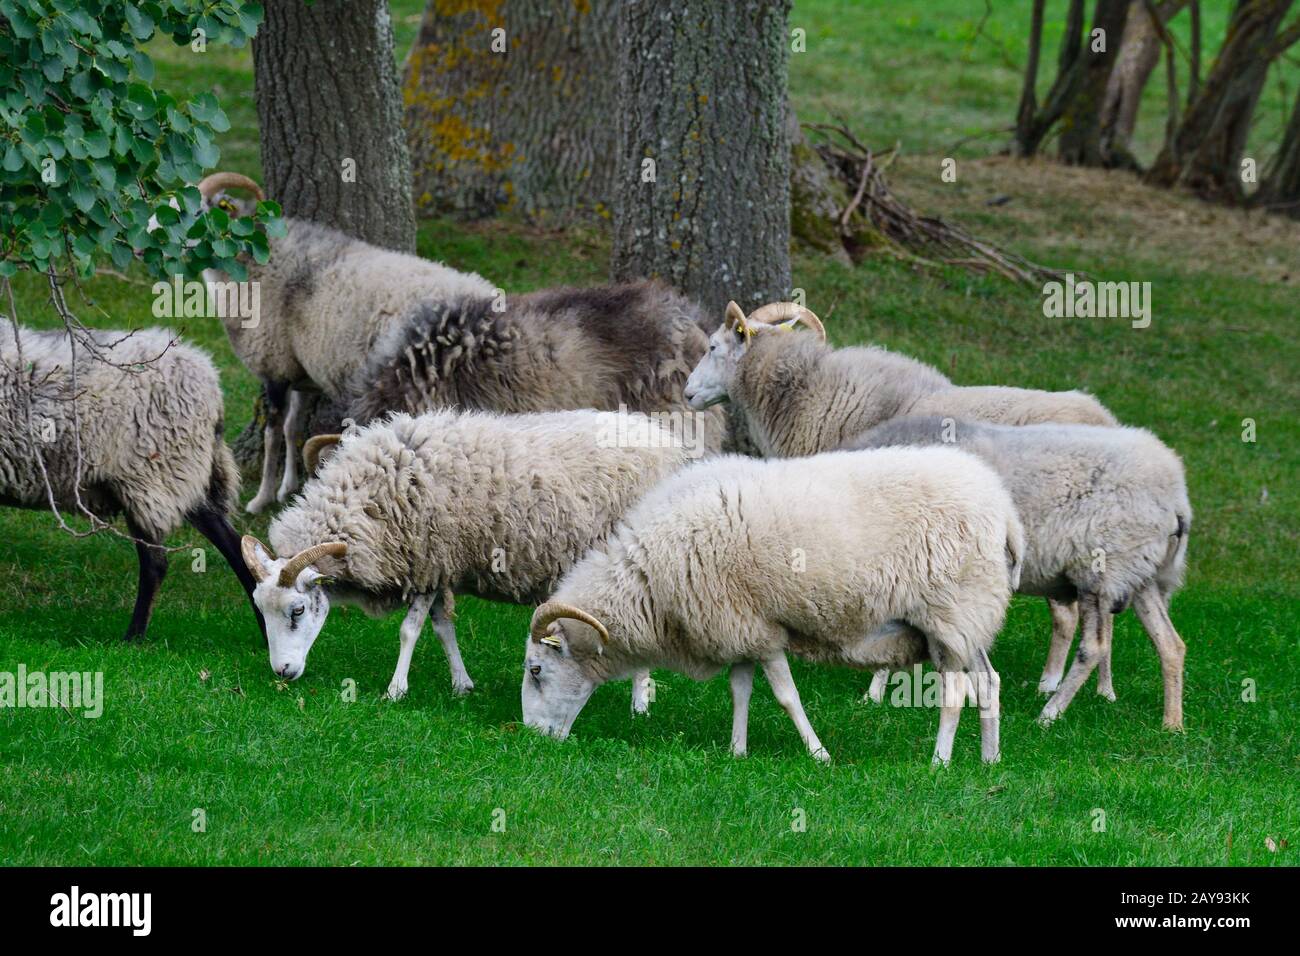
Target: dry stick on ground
point(927, 240)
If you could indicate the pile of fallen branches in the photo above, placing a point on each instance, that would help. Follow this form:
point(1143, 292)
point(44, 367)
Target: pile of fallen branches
point(893, 227)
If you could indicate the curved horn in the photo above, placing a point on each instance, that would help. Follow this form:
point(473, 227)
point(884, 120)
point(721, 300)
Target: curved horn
point(775, 312)
point(312, 448)
point(210, 184)
point(735, 315)
point(289, 573)
point(248, 546)
point(552, 611)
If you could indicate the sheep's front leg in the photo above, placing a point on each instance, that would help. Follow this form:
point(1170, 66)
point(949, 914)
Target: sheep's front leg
point(272, 439)
point(742, 686)
point(409, 634)
point(1065, 618)
point(446, 630)
point(289, 483)
point(643, 692)
point(777, 671)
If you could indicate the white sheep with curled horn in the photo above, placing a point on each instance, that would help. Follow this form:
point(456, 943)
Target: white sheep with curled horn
point(413, 510)
point(907, 555)
point(795, 395)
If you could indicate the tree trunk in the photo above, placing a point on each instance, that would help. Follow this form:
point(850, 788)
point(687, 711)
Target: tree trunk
point(1280, 190)
point(509, 105)
point(1081, 143)
point(702, 191)
point(1033, 122)
point(1205, 152)
point(1138, 55)
point(333, 151)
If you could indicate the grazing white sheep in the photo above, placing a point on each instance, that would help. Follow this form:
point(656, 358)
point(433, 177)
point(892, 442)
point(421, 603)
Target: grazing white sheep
point(794, 395)
point(143, 439)
point(1106, 519)
point(854, 558)
point(414, 510)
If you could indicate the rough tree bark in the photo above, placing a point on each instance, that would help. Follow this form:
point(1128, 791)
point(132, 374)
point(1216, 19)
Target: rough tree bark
point(1205, 152)
point(702, 190)
point(333, 151)
point(1081, 122)
point(509, 105)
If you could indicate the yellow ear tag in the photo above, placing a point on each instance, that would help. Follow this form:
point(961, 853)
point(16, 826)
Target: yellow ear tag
point(554, 642)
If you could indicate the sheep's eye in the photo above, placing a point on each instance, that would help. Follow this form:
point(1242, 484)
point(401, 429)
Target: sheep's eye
point(296, 611)
point(535, 670)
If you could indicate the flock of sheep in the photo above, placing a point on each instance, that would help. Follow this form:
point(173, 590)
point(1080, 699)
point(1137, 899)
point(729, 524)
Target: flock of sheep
point(532, 449)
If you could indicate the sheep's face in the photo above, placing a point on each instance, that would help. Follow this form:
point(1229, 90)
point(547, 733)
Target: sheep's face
point(557, 680)
point(294, 615)
point(710, 382)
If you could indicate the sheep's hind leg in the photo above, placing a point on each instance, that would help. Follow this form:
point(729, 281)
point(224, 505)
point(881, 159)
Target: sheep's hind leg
point(289, 483)
point(777, 671)
point(446, 631)
point(954, 698)
point(272, 439)
point(153, 568)
point(742, 686)
point(879, 680)
point(1151, 611)
point(989, 689)
point(408, 635)
point(1085, 659)
point(1065, 619)
point(1105, 683)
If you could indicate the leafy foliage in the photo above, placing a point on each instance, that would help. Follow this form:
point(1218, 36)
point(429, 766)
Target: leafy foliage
point(90, 151)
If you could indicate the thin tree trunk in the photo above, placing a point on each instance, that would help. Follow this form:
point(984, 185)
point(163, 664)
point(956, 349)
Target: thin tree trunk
point(333, 151)
point(510, 105)
point(1139, 53)
point(1033, 126)
point(702, 191)
point(1205, 153)
point(1081, 132)
point(1280, 189)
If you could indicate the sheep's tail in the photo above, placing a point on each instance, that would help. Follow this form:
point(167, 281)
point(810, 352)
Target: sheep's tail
point(223, 483)
point(1169, 576)
point(1015, 549)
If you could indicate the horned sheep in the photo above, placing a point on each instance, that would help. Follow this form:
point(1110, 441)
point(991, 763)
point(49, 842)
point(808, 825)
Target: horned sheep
point(1106, 518)
point(903, 555)
point(794, 395)
point(380, 331)
point(416, 509)
point(130, 423)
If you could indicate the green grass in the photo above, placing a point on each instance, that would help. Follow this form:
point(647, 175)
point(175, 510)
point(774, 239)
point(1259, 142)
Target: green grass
point(297, 774)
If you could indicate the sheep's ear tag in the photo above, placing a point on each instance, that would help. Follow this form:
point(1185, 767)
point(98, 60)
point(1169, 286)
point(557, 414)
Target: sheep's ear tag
point(322, 581)
point(550, 640)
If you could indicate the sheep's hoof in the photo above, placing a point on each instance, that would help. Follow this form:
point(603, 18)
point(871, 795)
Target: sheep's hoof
point(256, 506)
point(1107, 693)
point(461, 688)
point(996, 758)
point(1048, 685)
point(939, 761)
point(285, 492)
point(821, 756)
point(1174, 726)
point(1046, 717)
point(396, 691)
point(742, 752)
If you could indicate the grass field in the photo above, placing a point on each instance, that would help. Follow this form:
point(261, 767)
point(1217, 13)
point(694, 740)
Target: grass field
point(297, 774)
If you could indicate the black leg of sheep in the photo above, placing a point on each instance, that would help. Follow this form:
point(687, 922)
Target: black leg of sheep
point(153, 568)
point(216, 527)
